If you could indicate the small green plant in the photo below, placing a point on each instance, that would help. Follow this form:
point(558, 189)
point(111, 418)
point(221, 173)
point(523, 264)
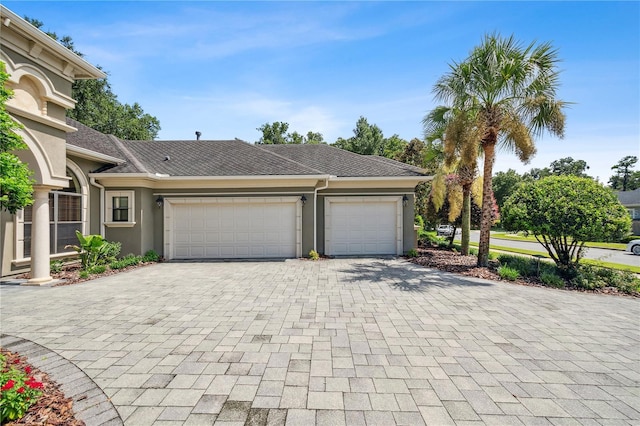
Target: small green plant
point(18, 390)
point(525, 266)
point(151, 256)
point(313, 255)
point(412, 253)
point(110, 252)
point(98, 269)
point(552, 280)
point(95, 250)
point(128, 260)
point(83, 274)
point(56, 266)
point(508, 273)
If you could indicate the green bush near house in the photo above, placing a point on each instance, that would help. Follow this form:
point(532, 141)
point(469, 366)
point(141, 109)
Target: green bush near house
point(551, 279)
point(508, 273)
point(151, 256)
point(526, 267)
point(95, 250)
point(412, 253)
point(98, 269)
point(56, 266)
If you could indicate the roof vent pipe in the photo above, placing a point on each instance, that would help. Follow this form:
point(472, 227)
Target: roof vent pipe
point(198, 134)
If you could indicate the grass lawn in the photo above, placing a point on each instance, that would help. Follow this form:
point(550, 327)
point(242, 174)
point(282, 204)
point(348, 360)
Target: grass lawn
point(531, 238)
point(594, 262)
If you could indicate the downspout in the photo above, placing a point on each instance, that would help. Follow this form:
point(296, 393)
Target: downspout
point(97, 185)
point(315, 210)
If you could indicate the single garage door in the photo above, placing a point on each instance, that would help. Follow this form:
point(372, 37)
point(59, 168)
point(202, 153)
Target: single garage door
point(227, 228)
point(357, 226)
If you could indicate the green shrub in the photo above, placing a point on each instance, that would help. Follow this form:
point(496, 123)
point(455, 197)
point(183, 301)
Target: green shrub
point(313, 255)
point(474, 252)
point(98, 269)
point(95, 250)
point(508, 273)
point(110, 252)
point(84, 274)
point(128, 260)
point(427, 238)
point(56, 266)
point(412, 253)
point(525, 266)
point(593, 277)
point(151, 256)
point(552, 280)
point(492, 254)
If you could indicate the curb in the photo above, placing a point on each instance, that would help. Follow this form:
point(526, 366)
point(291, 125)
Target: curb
point(90, 404)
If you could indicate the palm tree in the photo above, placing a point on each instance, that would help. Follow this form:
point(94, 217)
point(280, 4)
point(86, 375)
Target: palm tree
point(458, 133)
point(512, 89)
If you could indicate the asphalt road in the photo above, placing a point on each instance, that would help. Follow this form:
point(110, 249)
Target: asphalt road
point(614, 256)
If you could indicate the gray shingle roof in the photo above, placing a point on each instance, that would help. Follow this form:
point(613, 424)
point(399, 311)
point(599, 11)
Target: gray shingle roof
point(629, 198)
point(208, 158)
point(93, 140)
point(233, 158)
point(338, 162)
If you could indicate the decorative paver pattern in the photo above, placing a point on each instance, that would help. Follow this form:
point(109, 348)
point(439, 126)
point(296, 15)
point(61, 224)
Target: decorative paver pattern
point(342, 341)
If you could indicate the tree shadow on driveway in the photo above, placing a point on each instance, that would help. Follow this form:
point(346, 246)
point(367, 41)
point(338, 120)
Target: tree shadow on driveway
point(405, 276)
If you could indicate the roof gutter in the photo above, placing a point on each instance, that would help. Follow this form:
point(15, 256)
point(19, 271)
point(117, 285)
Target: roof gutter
point(97, 185)
point(88, 154)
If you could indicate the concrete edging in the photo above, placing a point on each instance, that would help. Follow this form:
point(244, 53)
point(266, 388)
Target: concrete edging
point(90, 404)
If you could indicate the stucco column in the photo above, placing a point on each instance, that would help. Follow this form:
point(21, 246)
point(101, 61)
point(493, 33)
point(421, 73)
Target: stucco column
point(40, 238)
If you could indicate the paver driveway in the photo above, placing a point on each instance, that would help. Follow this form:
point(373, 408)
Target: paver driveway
point(364, 341)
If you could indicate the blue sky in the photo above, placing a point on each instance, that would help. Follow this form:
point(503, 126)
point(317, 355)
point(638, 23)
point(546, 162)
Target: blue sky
point(225, 68)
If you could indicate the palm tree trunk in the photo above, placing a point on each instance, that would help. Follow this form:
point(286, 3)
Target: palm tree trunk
point(489, 148)
point(466, 218)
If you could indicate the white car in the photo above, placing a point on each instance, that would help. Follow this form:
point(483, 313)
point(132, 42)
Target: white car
point(634, 247)
point(444, 230)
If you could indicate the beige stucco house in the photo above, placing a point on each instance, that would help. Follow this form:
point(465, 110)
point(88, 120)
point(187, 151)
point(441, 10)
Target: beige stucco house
point(41, 74)
point(186, 199)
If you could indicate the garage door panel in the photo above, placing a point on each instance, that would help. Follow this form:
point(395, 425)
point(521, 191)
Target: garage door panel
point(362, 227)
point(233, 230)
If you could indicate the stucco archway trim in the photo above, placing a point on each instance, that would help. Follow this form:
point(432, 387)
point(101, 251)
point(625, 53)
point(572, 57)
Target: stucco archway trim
point(49, 92)
point(44, 174)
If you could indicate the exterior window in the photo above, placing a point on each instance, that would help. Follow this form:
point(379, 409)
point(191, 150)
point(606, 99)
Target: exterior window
point(119, 208)
point(65, 214)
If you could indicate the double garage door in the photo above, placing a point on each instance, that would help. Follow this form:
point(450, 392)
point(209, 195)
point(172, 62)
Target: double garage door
point(228, 228)
point(271, 227)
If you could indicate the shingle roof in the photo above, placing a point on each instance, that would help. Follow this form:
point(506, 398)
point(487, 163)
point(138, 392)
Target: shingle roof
point(233, 157)
point(338, 162)
point(93, 140)
point(629, 198)
point(208, 158)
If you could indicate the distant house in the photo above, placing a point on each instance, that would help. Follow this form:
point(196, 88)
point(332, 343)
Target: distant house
point(631, 201)
point(185, 199)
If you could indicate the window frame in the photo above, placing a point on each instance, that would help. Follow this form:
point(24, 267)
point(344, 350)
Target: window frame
point(109, 209)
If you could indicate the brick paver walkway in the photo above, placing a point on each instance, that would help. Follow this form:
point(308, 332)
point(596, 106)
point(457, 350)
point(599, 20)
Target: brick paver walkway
point(357, 342)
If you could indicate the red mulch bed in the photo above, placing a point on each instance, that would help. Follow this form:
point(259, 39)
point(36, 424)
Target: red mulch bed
point(52, 408)
point(451, 261)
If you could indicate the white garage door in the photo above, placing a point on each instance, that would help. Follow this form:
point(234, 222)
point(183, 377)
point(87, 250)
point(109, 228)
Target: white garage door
point(225, 228)
point(363, 226)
